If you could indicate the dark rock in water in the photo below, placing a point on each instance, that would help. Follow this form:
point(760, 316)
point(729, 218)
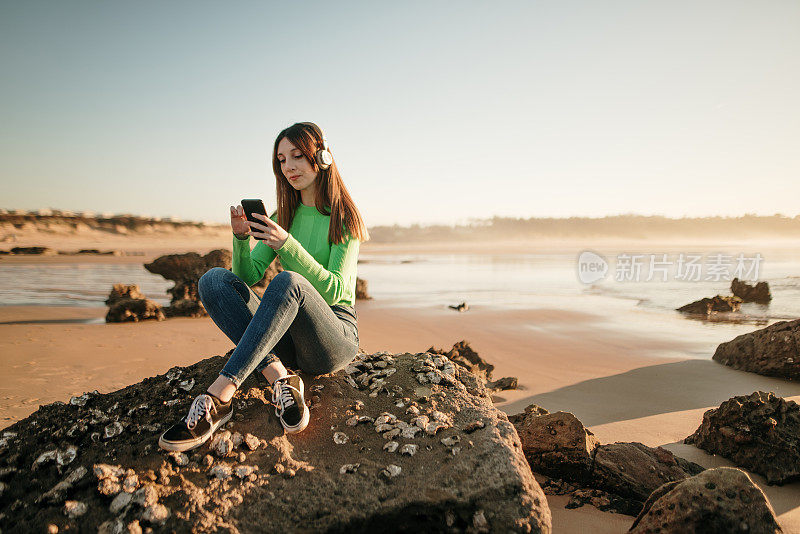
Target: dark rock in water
point(717, 501)
point(361, 289)
point(463, 355)
point(268, 481)
point(124, 291)
point(758, 293)
point(189, 266)
point(460, 308)
point(708, 306)
point(616, 477)
point(185, 308)
point(126, 303)
point(127, 309)
point(770, 351)
point(186, 270)
point(44, 251)
point(760, 432)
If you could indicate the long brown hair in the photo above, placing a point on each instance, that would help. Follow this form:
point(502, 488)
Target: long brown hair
point(330, 194)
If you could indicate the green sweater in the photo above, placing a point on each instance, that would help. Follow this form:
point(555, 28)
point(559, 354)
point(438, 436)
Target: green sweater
point(331, 269)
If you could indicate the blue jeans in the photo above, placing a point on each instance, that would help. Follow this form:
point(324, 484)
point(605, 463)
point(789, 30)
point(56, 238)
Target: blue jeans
point(291, 323)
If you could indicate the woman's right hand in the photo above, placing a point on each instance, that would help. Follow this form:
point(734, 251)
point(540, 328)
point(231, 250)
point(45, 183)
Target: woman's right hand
point(239, 223)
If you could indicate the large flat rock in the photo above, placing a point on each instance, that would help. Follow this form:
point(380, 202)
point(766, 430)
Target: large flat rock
point(467, 471)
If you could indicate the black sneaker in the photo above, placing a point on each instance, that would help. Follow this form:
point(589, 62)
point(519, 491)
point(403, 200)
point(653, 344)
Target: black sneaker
point(290, 406)
point(207, 414)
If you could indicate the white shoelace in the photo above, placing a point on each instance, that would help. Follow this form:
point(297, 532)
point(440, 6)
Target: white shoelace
point(282, 395)
point(201, 409)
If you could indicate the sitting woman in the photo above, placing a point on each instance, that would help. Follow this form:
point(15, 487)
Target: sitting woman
point(306, 318)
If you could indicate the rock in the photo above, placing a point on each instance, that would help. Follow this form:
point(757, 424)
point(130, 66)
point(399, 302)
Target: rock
point(409, 449)
point(340, 438)
point(709, 306)
point(112, 526)
point(57, 493)
point(770, 351)
point(244, 471)
point(126, 310)
point(185, 270)
point(557, 444)
point(179, 458)
point(112, 430)
point(760, 432)
point(463, 355)
point(472, 426)
point(508, 382)
point(155, 514)
point(221, 443)
point(74, 509)
point(251, 441)
point(348, 468)
point(122, 500)
point(634, 470)
point(124, 291)
point(489, 474)
point(361, 289)
point(759, 293)
point(43, 251)
point(391, 471)
point(614, 477)
point(391, 446)
point(146, 496)
point(460, 307)
point(717, 501)
point(221, 471)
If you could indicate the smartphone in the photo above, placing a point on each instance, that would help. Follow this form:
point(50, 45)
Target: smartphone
point(254, 205)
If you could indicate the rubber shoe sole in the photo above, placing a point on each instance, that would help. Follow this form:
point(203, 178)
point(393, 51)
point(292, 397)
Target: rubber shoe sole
point(299, 427)
point(181, 446)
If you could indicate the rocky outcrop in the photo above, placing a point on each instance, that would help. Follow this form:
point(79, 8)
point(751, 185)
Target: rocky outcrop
point(361, 290)
point(716, 501)
point(505, 383)
point(758, 293)
point(185, 270)
point(127, 303)
point(382, 452)
point(760, 432)
point(770, 351)
point(42, 251)
point(615, 477)
point(709, 306)
point(462, 354)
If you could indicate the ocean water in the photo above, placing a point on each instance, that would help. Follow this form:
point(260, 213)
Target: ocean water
point(519, 281)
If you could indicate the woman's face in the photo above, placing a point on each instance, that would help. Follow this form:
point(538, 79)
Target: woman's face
point(294, 165)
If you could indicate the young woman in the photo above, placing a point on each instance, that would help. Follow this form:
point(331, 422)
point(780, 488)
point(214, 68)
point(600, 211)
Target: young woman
point(306, 319)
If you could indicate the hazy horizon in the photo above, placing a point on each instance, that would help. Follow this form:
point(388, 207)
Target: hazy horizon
point(434, 115)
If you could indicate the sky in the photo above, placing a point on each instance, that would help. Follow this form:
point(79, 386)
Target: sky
point(435, 112)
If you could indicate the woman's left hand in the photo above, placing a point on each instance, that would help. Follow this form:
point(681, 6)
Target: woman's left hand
point(271, 232)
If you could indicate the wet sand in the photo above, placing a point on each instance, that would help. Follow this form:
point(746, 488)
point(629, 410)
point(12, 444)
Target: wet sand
point(623, 386)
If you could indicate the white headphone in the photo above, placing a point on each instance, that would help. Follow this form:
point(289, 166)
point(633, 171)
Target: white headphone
point(323, 156)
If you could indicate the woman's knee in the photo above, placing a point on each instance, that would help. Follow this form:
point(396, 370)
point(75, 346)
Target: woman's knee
point(211, 280)
point(286, 280)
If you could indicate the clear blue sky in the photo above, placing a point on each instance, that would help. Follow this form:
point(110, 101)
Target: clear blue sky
point(436, 112)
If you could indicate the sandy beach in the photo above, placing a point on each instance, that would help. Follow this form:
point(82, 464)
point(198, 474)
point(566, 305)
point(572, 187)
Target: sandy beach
point(621, 385)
